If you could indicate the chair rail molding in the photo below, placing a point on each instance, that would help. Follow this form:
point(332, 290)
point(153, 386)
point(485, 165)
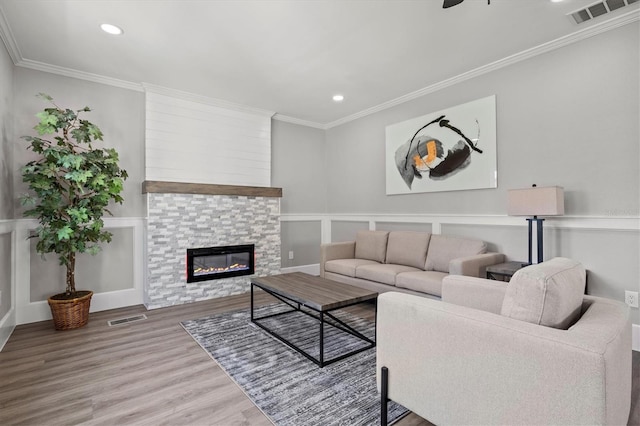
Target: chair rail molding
point(621, 223)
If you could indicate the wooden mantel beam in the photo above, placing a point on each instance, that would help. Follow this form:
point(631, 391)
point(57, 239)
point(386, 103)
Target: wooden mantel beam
point(159, 187)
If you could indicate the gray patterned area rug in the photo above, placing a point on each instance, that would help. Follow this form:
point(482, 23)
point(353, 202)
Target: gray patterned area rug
point(287, 387)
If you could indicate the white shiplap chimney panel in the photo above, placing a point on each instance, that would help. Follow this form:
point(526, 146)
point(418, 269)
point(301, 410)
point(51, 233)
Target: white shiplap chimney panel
point(175, 175)
point(189, 141)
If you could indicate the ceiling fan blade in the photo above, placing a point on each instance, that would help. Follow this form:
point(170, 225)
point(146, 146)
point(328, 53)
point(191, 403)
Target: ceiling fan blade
point(449, 3)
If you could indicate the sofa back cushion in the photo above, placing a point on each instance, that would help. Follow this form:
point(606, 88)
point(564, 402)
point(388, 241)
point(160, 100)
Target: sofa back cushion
point(443, 249)
point(371, 245)
point(408, 248)
point(549, 293)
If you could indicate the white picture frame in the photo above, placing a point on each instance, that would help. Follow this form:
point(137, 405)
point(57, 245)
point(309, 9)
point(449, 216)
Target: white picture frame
point(451, 149)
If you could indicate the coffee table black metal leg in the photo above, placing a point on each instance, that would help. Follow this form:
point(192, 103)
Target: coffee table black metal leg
point(321, 339)
point(251, 302)
point(375, 321)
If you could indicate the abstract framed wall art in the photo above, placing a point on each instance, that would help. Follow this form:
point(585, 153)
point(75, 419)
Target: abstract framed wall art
point(448, 150)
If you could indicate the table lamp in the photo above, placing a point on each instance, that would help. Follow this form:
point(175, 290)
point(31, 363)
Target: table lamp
point(536, 201)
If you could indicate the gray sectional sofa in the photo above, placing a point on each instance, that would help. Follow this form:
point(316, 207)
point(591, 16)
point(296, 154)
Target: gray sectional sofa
point(404, 261)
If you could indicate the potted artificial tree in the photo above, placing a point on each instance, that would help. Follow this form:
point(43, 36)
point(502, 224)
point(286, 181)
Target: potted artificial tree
point(71, 183)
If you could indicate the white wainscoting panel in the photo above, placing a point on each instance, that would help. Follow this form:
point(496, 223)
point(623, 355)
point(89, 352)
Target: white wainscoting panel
point(606, 224)
point(28, 311)
point(200, 142)
point(8, 321)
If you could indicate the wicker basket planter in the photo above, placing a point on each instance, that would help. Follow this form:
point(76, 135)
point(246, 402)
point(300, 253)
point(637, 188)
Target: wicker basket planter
point(70, 313)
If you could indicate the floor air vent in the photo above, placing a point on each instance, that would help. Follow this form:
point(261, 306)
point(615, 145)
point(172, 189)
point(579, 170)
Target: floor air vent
point(599, 9)
point(127, 320)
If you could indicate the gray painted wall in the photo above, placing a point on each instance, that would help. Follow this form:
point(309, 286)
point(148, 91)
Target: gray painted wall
point(568, 117)
point(6, 177)
point(303, 239)
point(298, 167)
point(109, 270)
point(346, 230)
point(402, 226)
point(120, 115)
point(6, 135)
point(118, 112)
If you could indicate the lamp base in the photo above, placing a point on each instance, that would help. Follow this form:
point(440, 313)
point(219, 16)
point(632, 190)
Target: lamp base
point(538, 237)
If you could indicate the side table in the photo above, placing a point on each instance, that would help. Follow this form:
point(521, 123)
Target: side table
point(503, 271)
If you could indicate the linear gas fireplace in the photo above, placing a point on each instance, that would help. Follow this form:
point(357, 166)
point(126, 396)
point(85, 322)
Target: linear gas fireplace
point(211, 263)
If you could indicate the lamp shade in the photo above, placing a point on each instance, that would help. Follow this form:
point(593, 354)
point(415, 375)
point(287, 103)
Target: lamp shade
point(536, 201)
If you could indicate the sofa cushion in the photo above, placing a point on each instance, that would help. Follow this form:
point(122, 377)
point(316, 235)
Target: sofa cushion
point(549, 293)
point(385, 274)
point(423, 281)
point(371, 245)
point(443, 249)
point(407, 248)
point(346, 266)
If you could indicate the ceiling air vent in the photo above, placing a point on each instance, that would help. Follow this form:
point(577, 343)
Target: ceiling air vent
point(599, 9)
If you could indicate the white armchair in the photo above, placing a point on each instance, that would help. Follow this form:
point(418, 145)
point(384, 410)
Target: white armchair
point(468, 360)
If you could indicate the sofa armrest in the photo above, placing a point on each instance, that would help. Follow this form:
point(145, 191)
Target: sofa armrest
point(333, 251)
point(473, 266)
point(454, 365)
point(472, 292)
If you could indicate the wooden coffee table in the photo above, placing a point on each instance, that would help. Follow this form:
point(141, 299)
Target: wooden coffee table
point(316, 297)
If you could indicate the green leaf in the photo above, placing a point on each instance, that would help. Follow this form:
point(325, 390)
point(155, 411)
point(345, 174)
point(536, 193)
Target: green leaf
point(94, 131)
point(99, 180)
point(78, 215)
point(27, 199)
point(47, 124)
point(72, 161)
point(65, 233)
point(80, 176)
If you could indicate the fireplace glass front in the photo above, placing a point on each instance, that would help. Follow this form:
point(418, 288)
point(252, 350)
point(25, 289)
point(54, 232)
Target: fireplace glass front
point(212, 263)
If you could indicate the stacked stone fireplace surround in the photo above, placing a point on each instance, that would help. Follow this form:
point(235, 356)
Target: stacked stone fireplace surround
point(178, 221)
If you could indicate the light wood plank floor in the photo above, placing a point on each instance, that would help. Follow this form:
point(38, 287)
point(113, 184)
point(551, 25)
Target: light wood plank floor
point(149, 372)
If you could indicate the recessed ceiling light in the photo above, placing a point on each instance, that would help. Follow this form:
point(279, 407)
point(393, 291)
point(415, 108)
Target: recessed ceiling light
point(338, 98)
point(111, 29)
point(556, 1)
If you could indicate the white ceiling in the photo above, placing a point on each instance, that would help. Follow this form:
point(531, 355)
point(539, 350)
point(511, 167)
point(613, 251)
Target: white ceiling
point(288, 56)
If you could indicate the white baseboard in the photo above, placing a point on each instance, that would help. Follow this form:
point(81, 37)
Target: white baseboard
point(635, 337)
point(308, 269)
point(7, 325)
point(39, 311)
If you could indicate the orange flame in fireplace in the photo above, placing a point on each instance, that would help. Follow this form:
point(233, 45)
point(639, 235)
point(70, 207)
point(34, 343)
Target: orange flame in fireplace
point(211, 270)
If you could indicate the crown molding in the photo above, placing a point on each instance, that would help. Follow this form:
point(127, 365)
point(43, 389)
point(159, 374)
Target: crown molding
point(14, 52)
point(294, 120)
point(558, 43)
point(80, 75)
point(192, 97)
point(9, 41)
